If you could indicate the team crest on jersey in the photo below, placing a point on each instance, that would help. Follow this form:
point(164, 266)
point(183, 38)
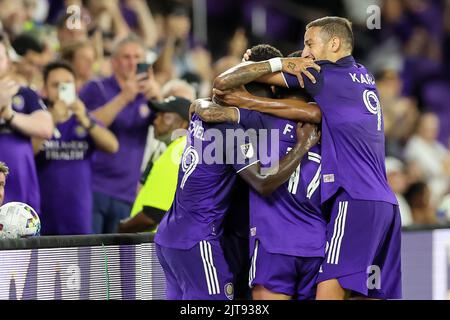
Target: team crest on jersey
point(144, 111)
point(18, 102)
point(80, 132)
point(229, 291)
point(247, 150)
point(328, 178)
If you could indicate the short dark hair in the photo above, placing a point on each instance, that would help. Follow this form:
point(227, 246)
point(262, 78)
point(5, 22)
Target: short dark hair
point(24, 43)
point(263, 52)
point(4, 168)
point(59, 64)
point(335, 27)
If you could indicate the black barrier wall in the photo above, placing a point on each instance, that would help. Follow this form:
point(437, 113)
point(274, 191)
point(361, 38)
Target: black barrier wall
point(94, 267)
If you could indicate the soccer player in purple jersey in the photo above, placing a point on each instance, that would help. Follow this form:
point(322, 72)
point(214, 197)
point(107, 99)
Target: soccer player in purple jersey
point(288, 231)
point(363, 254)
point(188, 237)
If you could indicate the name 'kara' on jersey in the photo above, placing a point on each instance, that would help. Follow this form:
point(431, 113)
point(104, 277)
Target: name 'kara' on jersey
point(353, 148)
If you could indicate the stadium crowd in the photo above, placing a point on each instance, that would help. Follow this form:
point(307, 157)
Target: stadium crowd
point(81, 161)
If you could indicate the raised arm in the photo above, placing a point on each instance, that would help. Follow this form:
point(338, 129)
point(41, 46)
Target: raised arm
point(307, 136)
point(291, 109)
point(266, 72)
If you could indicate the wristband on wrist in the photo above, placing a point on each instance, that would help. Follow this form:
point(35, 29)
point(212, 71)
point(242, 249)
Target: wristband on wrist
point(275, 64)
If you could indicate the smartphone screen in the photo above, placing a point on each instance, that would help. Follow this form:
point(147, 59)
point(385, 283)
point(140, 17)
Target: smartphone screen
point(67, 92)
point(142, 68)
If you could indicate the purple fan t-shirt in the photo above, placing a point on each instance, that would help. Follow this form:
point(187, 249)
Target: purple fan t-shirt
point(117, 175)
point(17, 152)
point(206, 178)
point(352, 130)
point(64, 172)
point(289, 221)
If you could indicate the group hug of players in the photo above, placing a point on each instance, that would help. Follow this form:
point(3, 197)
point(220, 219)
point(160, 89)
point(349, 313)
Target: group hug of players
point(315, 218)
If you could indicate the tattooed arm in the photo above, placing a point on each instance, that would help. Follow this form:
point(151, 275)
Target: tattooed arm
point(212, 112)
point(292, 108)
point(261, 71)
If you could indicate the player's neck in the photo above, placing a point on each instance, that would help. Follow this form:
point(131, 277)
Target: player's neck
point(335, 56)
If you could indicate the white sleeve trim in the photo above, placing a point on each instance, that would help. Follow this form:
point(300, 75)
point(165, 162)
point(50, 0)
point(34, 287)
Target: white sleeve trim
point(282, 74)
point(239, 115)
point(249, 165)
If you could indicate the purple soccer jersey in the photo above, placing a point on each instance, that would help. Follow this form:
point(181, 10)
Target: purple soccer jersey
point(117, 175)
point(289, 221)
point(65, 181)
point(206, 177)
point(17, 152)
point(352, 130)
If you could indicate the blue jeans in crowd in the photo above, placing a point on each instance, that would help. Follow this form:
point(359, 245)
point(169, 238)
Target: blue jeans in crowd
point(107, 213)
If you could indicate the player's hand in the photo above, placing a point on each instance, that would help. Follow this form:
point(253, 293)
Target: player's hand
point(298, 66)
point(247, 55)
point(197, 105)
point(307, 135)
point(238, 97)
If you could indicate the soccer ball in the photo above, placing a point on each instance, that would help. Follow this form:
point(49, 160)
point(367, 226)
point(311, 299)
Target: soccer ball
point(18, 220)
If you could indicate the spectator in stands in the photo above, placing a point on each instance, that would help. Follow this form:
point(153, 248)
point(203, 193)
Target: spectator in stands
point(82, 57)
point(418, 197)
point(119, 102)
point(107, 17)
point(33, 59)
point(139, 18)
point(154, 147)
point(22, 115)
point(13, 17)
point(397, 179)
point(431, 156)
point(63, 162)
point(69, 32)
point(156, 196)
point(4, 171)
point(173, 60)
point(400, 113)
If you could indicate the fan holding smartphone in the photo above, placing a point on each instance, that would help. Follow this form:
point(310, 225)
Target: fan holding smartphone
point(146, 81)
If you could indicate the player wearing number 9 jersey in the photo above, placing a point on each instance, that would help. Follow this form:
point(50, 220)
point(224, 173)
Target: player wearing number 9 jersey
point(363, 234)
point(188, 237)
point(287, 228)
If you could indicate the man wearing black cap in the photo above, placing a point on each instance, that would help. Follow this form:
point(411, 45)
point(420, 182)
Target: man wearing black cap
point(156, 196)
